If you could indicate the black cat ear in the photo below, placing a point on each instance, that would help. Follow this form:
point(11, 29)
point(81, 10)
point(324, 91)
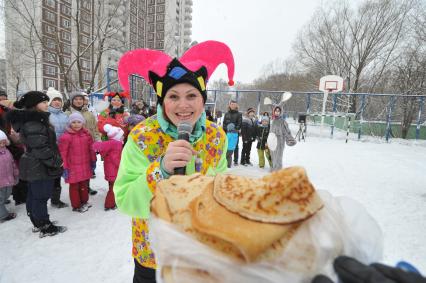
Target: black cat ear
point(203, 72)
point(156, 83)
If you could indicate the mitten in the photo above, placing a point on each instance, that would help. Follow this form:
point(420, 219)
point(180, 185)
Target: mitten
point(65, 174)
point(350, 270)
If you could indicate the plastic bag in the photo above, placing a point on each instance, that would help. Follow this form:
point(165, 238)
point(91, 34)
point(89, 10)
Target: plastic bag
point(343, 226)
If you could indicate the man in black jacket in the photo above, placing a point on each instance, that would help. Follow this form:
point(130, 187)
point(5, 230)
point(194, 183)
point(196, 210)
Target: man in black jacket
point(248, 135)
point(235, 117)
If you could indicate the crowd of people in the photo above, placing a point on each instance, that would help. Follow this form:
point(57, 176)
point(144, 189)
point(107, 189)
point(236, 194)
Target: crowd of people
point(252, 129)
point(73, 133)
point(43, 140)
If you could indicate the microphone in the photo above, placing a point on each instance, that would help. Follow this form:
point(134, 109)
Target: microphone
point(184, 130)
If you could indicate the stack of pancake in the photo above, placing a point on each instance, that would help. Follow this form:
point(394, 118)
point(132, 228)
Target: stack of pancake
point(245, 219)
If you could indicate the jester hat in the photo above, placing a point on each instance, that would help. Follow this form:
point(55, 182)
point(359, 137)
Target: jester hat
point(122, 95)
point(163, 72)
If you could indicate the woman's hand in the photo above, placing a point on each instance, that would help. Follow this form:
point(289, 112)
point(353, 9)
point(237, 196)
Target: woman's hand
point(178, 154)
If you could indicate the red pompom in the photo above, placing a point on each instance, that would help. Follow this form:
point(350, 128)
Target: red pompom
point(231, 83)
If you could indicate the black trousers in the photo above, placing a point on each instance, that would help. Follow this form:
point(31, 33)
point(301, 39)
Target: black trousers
point(39, 193)
point(143, 274)
point(245, 152)
point(56, 193)
point(19, 192)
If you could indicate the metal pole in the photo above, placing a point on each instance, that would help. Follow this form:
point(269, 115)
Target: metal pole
point(347, 130)
point(334, 113)
point(258, 103)
point(236, 96)
point(388, 120)
point(422, 100)
point(308, 103)
point(361, 120)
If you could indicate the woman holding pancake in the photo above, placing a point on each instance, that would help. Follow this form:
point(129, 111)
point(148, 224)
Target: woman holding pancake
point(153, 151)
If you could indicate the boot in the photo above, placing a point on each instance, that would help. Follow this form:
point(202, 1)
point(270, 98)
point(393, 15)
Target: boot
point(59, 204)
point(51, 230)
point(92, 192)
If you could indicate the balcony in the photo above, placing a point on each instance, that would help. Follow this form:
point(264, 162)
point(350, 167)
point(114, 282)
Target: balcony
point(187, 25)
point(188, 2)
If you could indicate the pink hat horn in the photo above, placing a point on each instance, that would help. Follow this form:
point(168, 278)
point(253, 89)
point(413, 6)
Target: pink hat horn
point(209, 54)
point(141, 61)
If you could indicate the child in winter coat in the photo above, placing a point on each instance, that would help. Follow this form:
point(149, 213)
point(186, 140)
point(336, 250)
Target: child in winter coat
point(8, 177)
point(110, 151)
point(59, 121)
point(262, 133)
point(232, 136)
point(79, 159)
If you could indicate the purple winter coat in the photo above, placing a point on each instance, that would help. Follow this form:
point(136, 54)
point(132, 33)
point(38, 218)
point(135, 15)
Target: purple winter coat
point(8, 170)
point(110, 151)
point(77, 154)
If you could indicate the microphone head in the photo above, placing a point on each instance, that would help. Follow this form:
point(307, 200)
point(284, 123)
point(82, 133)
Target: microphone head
point(184, 128)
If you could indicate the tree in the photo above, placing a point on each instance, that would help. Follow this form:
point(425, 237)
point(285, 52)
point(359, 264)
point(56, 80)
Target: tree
point(356, 45)
point(27, 23)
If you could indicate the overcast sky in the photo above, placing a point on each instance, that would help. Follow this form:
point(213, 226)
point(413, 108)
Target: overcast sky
point(258, 32)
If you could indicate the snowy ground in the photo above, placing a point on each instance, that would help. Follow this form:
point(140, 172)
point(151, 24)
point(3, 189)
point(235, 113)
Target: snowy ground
point(388, 178)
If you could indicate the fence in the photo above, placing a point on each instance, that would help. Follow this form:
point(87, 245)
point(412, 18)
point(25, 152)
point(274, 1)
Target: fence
point(376, 114)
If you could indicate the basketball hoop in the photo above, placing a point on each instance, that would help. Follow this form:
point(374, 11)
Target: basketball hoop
point(329, 84)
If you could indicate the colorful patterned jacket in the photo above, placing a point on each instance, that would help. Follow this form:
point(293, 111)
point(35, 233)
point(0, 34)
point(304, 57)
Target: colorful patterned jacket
point(140, 171)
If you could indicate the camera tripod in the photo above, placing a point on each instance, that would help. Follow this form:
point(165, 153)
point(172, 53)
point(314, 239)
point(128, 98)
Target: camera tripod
point(301, 132)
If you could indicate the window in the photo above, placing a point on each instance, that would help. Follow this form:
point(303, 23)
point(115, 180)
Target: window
point(150, 44)
point(49, 29)
point(66, 10)
point(151, 27)
point(87, 76)
point(151, 10)
point(51, 17)
point(50, 83)
point(50, 3)
point(49, 56)
point(150, 18)
point(85, 40)
point(160, 17)
point(50, 43)
point(85, 28)
point(50, 70)
point(66, 36)
point(151, 2)
point(160, 27)
point(160, 45)
point(67, 61)
point(66, 48)
point(160, 1)
point(160, 9)
point(86, 4)
point(160, 35)
point(66, 23)
point(150, 36)
point(85, 64)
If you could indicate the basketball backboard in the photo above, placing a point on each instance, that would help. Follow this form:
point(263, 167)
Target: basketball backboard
point(331, 84)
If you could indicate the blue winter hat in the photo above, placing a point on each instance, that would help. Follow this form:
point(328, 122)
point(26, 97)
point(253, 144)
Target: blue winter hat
point(230, 127)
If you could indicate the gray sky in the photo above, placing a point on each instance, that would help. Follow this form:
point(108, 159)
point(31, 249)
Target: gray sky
point(258, 32)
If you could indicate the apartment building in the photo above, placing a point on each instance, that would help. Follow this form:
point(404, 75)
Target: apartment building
point(35, 52)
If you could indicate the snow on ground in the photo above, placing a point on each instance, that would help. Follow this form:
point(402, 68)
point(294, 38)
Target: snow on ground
point(387, 178)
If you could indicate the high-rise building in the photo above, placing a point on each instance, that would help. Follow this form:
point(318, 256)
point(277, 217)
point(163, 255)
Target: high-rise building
point(3, 85)
point(155, 24)
point(42, 44)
